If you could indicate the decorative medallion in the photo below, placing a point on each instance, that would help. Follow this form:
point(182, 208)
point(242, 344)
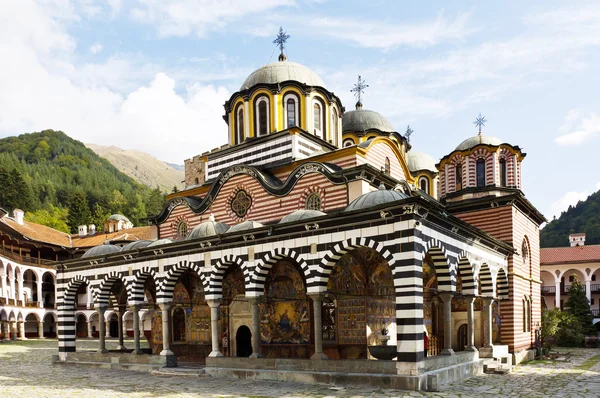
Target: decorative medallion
point(241, 203)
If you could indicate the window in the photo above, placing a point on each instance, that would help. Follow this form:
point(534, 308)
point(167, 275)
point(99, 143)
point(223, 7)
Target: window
point(241, 203)
point(591, 301)
point(334, 125)
point(240, 125)
point(182, 229)
point(291, 113)
point(502, 172)
point(524, 315)
point(387, 166)
point(480, 172)
point(313, 202)
point(572, 278)
point(458, 175)
point(317, 120)
point(424, 184)
point(263, 119)
point(594, 278)
point(348, 142)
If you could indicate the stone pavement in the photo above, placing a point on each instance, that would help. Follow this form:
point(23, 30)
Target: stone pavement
point(26, 371)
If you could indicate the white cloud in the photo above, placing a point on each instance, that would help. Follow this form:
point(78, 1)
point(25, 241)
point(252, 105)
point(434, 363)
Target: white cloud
point(96, 48)
point(577, 129)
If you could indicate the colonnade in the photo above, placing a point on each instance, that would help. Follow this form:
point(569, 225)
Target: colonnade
point(16, 329)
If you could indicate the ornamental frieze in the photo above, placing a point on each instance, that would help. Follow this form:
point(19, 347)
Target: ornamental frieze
point(236, 170)
point(309, 168)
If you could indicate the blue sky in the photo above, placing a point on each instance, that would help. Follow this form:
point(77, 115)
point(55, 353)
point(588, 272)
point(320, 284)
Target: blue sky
point(152, 75)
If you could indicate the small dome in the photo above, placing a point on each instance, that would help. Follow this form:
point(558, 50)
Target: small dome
point(101, 250)
point(301, 215)
point(118, 217)
point(278, 72)
point(420, 161)
point(364, 120)
point(479, 139)
point(208, 228)
point(375, 198)
point(160, 242)
point(244, 226)
point(138, 244)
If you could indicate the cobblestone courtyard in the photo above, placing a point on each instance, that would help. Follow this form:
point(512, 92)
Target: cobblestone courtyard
point(27, 372)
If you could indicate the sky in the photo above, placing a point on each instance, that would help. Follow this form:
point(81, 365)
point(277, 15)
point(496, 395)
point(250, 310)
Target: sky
point(152, 75)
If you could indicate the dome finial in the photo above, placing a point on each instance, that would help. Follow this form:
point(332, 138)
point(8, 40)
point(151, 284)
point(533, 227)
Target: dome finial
point(211, 218)
point(280, 40)
point(408, 133)
point(480, 121)
point(358, 90)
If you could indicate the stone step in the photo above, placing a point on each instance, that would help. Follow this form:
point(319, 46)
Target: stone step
point(180, 372)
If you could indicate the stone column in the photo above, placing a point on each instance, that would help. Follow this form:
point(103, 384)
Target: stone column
point(214, 327)
point(22, 330)
point(470, 324)
point(135, 310)
point(13, 330)
point(557, 294)
point(40, 330)
point(120, 332)
point(39, 293)
point(255, 328)
point(447, 299)
point(166, 330)
point(588, 290)
point(89, 329)
point(101, 330)
point(107, 329)
point(5, 330)
point(317, 299)
point(88, 295)
point(488, 322)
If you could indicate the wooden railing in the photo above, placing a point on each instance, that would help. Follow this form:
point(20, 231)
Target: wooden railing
point(548, 289)
point(27, 260)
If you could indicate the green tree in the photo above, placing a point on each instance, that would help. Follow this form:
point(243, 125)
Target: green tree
point(53, 217)
point(118, 202)
point(99, 215)
point(79, 213)
point(579, 306)
point(155, 201)
point(138, 210)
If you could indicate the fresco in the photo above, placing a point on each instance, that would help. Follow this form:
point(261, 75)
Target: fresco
point(233, 284)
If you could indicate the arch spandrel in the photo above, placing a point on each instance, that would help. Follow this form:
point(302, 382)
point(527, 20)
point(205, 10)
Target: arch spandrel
point(164, 293)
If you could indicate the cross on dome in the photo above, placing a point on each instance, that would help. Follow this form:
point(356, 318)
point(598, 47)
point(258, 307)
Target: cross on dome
point(408, 133)
point(280, 40)
point(358, 90)
point(480, 121)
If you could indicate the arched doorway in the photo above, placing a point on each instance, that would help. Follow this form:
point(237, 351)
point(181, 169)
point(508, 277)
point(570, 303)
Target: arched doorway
point(113, 326)
point(49, 325)
point(81, 326)
point(462, 337)
point(235, 309)
point(243, 342)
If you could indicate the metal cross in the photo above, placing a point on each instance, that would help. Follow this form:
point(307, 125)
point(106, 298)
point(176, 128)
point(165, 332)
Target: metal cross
point(281, 39)
point(479, 121)
point(359, 89)
point(408, 133)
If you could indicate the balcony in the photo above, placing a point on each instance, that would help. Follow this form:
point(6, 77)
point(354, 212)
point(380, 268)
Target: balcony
point(596, 313)
point(595, 288)
point(548, 290)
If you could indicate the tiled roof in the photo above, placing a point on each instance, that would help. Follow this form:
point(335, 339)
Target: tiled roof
point(555, 255)
point(131, 234)
point(38, 233)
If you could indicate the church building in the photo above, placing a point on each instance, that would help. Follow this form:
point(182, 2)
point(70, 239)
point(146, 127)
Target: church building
point(317, 236)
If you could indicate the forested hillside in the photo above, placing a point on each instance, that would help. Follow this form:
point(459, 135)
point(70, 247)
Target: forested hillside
point(59, 182)
point(584, 217)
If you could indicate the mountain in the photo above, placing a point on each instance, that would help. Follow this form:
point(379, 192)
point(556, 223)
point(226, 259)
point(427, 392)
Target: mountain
point(56, 180)
point(583, 217)
point(142, 167)
point(178, 167)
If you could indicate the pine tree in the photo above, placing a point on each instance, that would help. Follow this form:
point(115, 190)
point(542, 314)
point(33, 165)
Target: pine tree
point(79, 213)
point(579, 306)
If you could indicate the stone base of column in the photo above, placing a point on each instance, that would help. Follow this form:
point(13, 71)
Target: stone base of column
point(170, 360)
point(486, 352)
point(319, 356)
point(447, 351)
point(215, 354)
point(166, 353)
point(102, 350)
point(137, 352)
point(121, 348)
point(471, 348)
point(256, 355)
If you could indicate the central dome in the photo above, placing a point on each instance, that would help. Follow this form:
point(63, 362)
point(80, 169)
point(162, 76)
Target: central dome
point(281, 71)
point(365, 120)
point(479, 139)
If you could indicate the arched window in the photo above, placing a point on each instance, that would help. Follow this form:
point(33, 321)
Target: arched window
point(262, 119)
point(480, 172)
point(502, 172)
point(313, 202)
point(524, 315)
point(387, 166)
point(458, 176)
point(178, 324)
point(240, 125)
point(334, 126)
point(424, 184)
point(291, 112)
point(317, 120)
point(348, 142)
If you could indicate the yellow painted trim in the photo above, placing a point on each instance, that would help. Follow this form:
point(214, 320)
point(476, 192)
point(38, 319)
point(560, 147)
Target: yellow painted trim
point(301, 106)
point(235, 121)
point(470, 151)
point(363, 152)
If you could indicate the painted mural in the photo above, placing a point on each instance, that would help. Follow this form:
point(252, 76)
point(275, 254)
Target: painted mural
point(432, 309)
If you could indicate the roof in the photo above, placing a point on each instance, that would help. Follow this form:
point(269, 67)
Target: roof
point(207, 228)
point(420, 161)
point(478, 140)
point(375, 198)
point(118, 217)
point(131, 234)
point(244, 226)
point(39, 233)
point(575, 254)
point(281, 71)
point(101, 250)
point(301, 215)
point(364, 119)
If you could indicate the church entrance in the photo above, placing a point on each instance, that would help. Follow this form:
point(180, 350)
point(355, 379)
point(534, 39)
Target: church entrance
point(243, 342)
point(114, 327)
point(462, 337)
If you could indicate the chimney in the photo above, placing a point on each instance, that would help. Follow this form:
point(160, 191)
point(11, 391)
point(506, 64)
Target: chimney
point(18, 216)
point(91, 229)
point(82, 231)
point(577, 239)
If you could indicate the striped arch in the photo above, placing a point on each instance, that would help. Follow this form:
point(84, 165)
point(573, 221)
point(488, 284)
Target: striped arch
point(332, 257)
point(469, 283)
point(103, 294)
point(445, 274)
point(485, 281)
point(70, 293)
point(215, 286)
point(136, 285)
point(502, 284)
point(164, 292)
point(66, 304)
point(261, 270)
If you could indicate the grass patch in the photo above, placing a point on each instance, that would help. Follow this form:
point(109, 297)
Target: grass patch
point(589, 363)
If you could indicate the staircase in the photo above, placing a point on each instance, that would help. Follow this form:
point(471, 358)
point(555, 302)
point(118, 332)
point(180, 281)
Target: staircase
point(496, 359)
